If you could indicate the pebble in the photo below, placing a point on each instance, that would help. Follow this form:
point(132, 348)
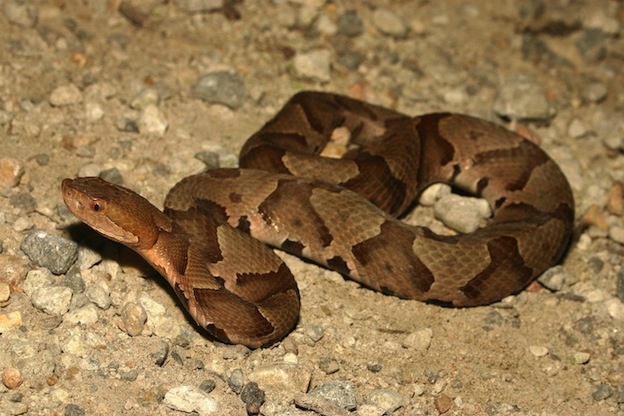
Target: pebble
point(556, 278)
point(594, 92)
point(145, 98)
point(602, 392)
point(418, 340)
point(82, 344)
point(389, 23)
point(236, 380)
point(14, 269)
point(616, 233)
point(23, 201)
point(152, 120)
point(463, 214)
point(443, 403)
point(55, 253)
point(349, 24)
point(615, 308)
point(315, 332)
point(339, 392)
point(65, 95)
point(99, 295)
point(87, 315)
point(36, 279)
point(12, 378)
point(11, 172)
point(222, 87)
point(10, 320)
point(313, 65)
point(22, 14)
point(159, 356)
point(5, 292)
point(592, 45)
point(191, 399)
point(538, 350)
point(133, 317)
point(54, 300)
point(577, 128)
point(328, 365)
point(253, 398)
point(581, 358)
point(387, 400)
point(522, 98)
point(434, 192)
point(94, 111)
point(281, 376)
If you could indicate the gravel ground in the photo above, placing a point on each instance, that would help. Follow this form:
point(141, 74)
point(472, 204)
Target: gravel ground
point(147, 92)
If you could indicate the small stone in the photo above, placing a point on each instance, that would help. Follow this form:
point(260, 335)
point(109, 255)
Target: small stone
point(522, 98)
point(602, 392)
point(74, 410)
point(315, 332)
point(94, 111)
point(443, 403)
point(581, 358)
point(160, 356)
point(99, 295)
point(133, 317)
point(87, 315)
point(152, 120)
point(36, 279)
point(236, 380)
point(281, 377)
point(55, 253)
point(418, 340)
point(145, 98)
point(5, 292)
point(463, 214)
point(390, 23)
point(208, 385)
point(594, 92)
point(10, 320)
point(65, 95)
point(577, 128)
point(12, 378)
point(54, 300)
point(387, 400)
point(339, 392)
point(11, 172)
point(349, 24)
point(315, 65)
point(616, 233)
point(14, 269)
point(253, 398)
point(615, 204)
point(328, 365)
point(191, 399)
point(22, 14)
point(538, 350)
point(615, 308)
point(555, 278)
point(434, 192)
point(223, 87)
point(592, 45)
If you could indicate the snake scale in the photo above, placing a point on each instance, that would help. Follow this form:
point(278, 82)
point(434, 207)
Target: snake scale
point(341, 213)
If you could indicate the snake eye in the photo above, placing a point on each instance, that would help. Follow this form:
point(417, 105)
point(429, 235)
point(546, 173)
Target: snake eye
point(96, 206)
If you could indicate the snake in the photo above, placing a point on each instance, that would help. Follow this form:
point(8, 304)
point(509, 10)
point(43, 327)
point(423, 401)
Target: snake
point(212, 242)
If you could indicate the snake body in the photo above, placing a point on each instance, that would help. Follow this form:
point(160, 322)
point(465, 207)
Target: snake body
point(341, 213)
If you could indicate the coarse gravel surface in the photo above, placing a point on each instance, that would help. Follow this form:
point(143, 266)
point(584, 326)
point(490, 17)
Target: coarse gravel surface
point(147, 92)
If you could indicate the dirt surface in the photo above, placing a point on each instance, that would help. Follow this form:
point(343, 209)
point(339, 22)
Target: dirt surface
point(92, 87)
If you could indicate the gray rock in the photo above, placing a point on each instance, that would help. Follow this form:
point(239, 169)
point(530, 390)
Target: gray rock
point(592, 45)
point(87, 315)
point(133, 317)
point(602, 391)
point(556, 278)
point(349, 24)
point(191, 399)
point(253, 397)
point(99, 295)
point(56, 254)
point(339, 392)
point(236, 380)
point(619, 285)
point(53, 300)
point(522, 98)
point(223, 87)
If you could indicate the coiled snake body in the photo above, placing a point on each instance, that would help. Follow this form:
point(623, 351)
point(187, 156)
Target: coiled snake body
point(287, 196)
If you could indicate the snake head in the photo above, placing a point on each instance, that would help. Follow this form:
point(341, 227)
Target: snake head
point(115, 212)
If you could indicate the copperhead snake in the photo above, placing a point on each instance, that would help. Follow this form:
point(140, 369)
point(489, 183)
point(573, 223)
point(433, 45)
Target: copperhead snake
point(289, 197)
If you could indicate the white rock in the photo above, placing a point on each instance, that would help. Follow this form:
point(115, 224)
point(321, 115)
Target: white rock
point(538, 350)
point(87, 315)
point(463, 214)
point(65, 95)
point(191, 399)
point(53, 300)
point(152, 120)
point(418, 340)
point(314, 65)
